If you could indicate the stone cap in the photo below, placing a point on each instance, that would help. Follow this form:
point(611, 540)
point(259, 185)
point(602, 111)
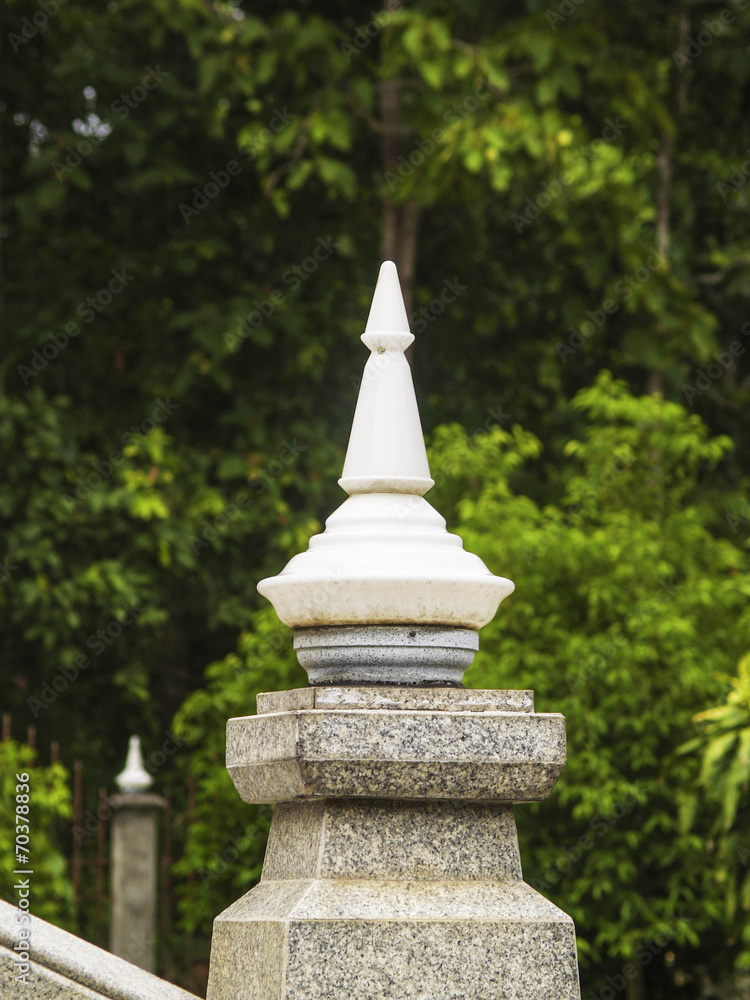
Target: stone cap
point(393, 698)
point(66, 967)
point(442, 749)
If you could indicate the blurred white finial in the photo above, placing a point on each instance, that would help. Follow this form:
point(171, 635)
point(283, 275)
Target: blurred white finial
point(135, 778)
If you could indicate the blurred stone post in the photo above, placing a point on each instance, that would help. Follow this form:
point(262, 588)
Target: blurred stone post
point(135, 863)
point(392, 869)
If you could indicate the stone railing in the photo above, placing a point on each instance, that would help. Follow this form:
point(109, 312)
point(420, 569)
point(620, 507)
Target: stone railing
point(56, 965)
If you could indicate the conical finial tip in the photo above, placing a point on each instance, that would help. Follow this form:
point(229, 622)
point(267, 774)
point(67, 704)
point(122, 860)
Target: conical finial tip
point(387, 312)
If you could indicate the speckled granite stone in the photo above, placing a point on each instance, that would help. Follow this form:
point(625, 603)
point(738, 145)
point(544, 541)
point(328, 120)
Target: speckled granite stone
point(392, 868)
point(381, 839)
point(487, 755)
point(250, 967)
point(413, 699)
point(43, 984)
point(484, 737)
point(65, 966)
point(288, 780)
point(449, 960)
point(372, 939)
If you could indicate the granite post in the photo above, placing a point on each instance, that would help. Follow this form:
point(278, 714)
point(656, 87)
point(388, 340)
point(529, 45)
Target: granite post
point(135, 863)
point(392, 868)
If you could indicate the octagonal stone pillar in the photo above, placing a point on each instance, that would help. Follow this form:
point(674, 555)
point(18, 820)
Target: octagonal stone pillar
point(392, 869)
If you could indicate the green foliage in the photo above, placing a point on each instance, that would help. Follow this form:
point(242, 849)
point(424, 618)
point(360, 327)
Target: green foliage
point(51, 893)
point(578, 175)
point(724, 785)
point(99, 545)
point(627, 604)
point(226, 838)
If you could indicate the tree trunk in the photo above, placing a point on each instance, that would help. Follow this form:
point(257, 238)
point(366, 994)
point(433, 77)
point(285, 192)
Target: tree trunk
point(400, 219)
point(664, 162)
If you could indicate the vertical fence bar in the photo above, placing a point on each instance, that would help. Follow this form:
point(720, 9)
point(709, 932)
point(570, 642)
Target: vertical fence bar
point(189, 817)
point(31, 737)
point(77, 828)
point(54, 752)
point(7, 726)
point(101, 867)
point(190, 810)
point(164, 950)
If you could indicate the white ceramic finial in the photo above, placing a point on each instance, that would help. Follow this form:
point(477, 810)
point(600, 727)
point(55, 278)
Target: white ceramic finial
point(386, 452)
point(385, 557)
point(387, 312)
point(135, 778)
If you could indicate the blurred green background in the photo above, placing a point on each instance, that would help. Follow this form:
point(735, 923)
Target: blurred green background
point(196, 197)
